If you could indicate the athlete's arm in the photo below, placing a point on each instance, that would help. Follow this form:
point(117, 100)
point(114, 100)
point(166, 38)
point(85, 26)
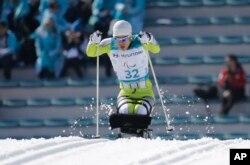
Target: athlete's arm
point(153, 47)
point(149, 42)
point(94, 49)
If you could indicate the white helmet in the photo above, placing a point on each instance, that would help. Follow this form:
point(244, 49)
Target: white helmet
point(122, 28)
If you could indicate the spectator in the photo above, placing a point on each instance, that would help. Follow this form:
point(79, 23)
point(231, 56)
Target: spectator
point(78, 9)
point(79, 15)
point(103, 13)
point(48, 49)
point(14, 12)
point(53, 10)
point(33, 16)
point(8, 44)
point(62, 4)
point(232, 81)
point(72, 53)
point(26, 53)
point(132, 11)
point(231, 85)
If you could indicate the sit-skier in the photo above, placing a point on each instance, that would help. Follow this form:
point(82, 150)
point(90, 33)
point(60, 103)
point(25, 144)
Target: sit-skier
point(129, 56)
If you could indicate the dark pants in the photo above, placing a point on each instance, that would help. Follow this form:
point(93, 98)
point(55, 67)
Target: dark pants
point(6, 63)
point(46, 74)
point(27, 52)
point(208, 92)
point(73, 63)
point(228, 101)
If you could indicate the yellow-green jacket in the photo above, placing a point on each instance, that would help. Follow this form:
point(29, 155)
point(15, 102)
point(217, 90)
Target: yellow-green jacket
point(131, 66)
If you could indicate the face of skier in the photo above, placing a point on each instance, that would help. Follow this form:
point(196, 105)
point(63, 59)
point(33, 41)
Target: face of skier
point(123, 42)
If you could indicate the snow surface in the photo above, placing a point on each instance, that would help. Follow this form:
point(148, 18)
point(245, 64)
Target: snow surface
point(80, 151)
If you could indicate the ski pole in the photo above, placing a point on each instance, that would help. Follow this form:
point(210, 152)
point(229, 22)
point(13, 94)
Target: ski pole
point(97, 93)
point(169, 128)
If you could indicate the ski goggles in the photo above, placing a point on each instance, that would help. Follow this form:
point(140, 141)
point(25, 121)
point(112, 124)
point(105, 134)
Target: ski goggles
point(121, 39)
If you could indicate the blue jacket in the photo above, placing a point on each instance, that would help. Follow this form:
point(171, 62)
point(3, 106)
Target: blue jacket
point(135, 13)
point(48, 45)
point(98, 6)
point(11, 43)
point(63, 4)
point(20, 10)
point(60, 22)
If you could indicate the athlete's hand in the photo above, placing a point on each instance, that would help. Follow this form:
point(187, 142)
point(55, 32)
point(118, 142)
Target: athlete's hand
point(144, 37)
point(96, 37)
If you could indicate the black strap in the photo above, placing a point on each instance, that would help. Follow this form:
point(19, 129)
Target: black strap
point(135, 101)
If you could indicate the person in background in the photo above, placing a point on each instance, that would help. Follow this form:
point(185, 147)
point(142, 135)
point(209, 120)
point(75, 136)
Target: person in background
point(232, 82)
point(26, 55)
point(32, 19)
point(230, 85)
point(73, 53)
point(54, 10)
point(79, 10)
point(14, 13)
point(103, 14)
point(48, 45)
point(63, 5)
point(101, 9)
point(132, 11)
point(8, 45)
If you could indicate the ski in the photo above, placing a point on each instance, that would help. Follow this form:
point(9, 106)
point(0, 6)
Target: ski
point(131, 125)
point(145, 133)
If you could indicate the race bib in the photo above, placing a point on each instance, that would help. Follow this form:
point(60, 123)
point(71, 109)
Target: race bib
point(130, 65)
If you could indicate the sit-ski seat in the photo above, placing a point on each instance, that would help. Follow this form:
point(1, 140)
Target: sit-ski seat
point(130, 124)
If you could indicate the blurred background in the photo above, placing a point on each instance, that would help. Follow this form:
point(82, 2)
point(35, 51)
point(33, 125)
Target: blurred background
point(48, 84)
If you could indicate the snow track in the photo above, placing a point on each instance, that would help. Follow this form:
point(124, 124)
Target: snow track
point(78, 151)
point(47, 149)
point(184, 152)
point(175, 153)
